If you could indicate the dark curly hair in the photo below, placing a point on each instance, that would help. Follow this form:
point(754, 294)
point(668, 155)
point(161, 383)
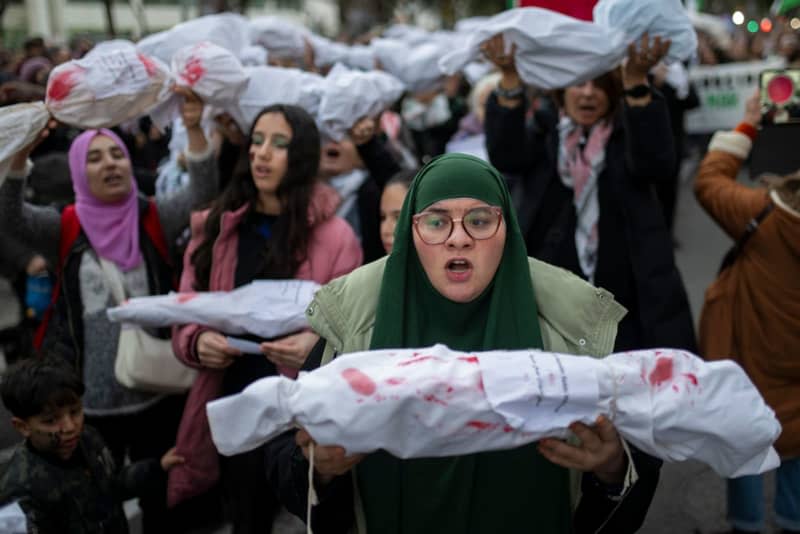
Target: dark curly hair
point(288, 245)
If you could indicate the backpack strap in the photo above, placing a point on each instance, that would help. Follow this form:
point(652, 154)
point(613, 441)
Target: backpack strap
point(750, 229)
point(152, 226)
point(70, 230)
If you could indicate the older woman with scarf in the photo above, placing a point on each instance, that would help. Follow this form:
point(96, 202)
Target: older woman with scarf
point(589, 204)
point(458, 274)
point(112, 235)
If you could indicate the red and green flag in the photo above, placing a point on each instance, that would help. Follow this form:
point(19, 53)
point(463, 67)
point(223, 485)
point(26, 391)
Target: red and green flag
point(580, 9)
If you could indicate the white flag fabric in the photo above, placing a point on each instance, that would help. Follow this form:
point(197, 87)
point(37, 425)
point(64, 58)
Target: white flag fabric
point(265, 308)
point(105, 89)
point(20, 124)
point(437, 402)
point(350, 95)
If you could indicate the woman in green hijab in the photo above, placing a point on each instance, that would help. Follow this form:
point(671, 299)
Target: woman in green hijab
point(458, 274)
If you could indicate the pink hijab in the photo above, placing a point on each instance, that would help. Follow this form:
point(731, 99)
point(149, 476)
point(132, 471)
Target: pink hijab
point(112, 229)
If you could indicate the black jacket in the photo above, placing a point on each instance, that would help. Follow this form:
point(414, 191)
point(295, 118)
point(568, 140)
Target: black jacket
point(635, 259)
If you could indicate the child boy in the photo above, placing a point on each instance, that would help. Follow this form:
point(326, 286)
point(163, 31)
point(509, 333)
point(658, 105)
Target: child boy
point(63, 476)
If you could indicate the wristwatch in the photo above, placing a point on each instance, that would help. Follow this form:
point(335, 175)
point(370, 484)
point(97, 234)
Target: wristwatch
point(638, 91)
point(510, 94)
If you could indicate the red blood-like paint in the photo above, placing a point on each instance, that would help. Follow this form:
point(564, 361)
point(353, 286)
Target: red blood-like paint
point(193, 71)
point(468, 359)
point(508, 428)
point(482, 425)
point(395, 381)
point(480, 384)
point(149, 66)
point(359, 382)
point(434, 399)
point(692, 378)
point(450, 389)
point(662, 372)
point(60, 86)
point(418, 360)
point(675, 388)
point(186, 297)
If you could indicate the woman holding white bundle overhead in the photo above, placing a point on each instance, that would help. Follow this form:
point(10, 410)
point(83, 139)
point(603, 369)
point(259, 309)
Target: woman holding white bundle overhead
point(587, 178)
point(458, 274)
point(109, 245)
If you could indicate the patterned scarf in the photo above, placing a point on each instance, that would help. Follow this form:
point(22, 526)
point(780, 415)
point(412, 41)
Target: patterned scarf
point(581, 159)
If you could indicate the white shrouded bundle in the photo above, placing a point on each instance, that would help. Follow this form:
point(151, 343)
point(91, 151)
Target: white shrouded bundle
point(282, 38)
point(254, 56)
point(275, 85)
point(20, 124)
point(265, 308)
point(106, 89)
point(553, 50)
point(13, 519)
point(417, 66)
point(665, 18)
point(227, 30)
point(214, 73)
point(327, 52)
point(350, 95)
point(438, 402)
point(103, 47)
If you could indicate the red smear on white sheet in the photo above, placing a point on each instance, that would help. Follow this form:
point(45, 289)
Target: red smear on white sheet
point(359, 382)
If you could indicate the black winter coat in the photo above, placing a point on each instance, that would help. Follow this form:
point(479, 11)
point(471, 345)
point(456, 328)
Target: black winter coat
point(635, 258)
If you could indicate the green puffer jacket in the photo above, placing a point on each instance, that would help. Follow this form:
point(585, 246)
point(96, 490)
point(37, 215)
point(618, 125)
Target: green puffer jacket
point(574, 316)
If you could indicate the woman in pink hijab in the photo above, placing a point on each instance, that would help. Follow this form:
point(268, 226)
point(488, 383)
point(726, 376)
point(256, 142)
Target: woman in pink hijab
point(111, 214)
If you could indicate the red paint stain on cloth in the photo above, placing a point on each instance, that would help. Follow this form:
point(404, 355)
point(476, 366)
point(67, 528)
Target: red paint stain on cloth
point(482, 425)
point(61, 85)
point(434, 399)
point(692, 378)
point(418, 360)
point(468, 359)
point(662, 372)
point(359, 382)
point(149, 65)
point(193, 71)
point(395, 381)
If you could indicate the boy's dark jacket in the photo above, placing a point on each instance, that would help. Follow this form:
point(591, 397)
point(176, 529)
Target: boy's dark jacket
point(81, 496)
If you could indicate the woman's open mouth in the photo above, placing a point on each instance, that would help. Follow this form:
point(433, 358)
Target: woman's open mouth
point(113, 179)
point(458, 269)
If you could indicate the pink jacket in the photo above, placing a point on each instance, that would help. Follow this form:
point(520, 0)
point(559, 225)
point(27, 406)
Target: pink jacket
point(333, 251)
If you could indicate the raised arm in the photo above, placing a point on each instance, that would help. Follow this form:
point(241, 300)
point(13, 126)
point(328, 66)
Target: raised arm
point(203, 185)
point(649, 150)
point(508, 139)
point(728, 202)
point(38, 226)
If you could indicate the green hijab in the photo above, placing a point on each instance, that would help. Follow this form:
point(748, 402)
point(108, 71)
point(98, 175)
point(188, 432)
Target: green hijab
point(507, 491)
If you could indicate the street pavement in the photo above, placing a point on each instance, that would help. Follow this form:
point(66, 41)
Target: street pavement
point(690, 497)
